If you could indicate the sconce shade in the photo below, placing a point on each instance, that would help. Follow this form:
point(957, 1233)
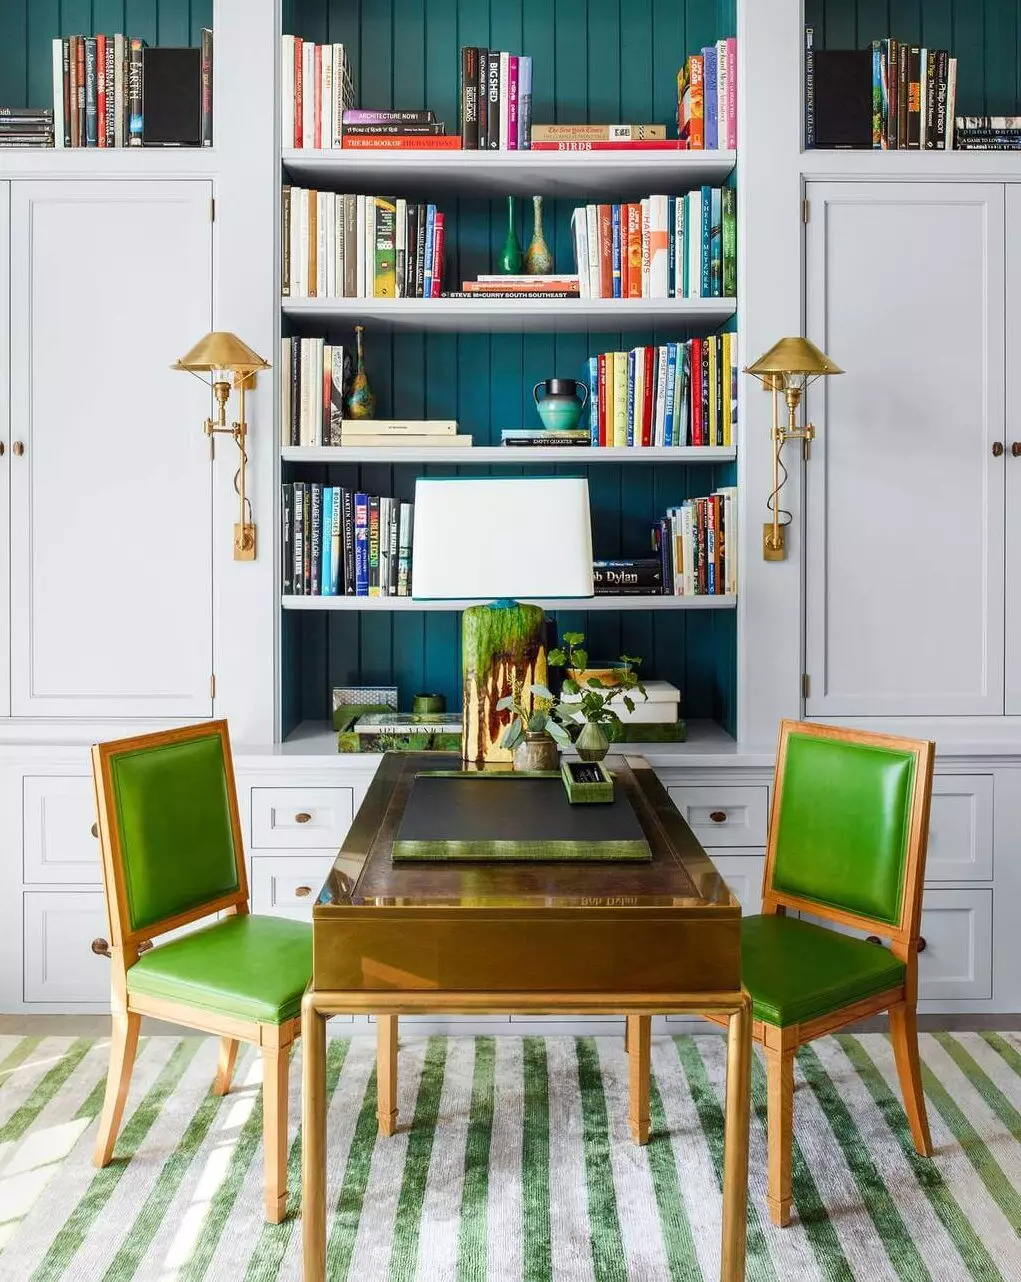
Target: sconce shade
point(793, 356)
point(221, 350)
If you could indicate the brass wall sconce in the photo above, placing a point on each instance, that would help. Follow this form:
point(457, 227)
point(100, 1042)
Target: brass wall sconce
point(786, 370)
point(230, 364)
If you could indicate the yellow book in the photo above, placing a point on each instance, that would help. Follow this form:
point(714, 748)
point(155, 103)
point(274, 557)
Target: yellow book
point(714, 401)
point(606, 409)
point(385, 249)
point(619, 398)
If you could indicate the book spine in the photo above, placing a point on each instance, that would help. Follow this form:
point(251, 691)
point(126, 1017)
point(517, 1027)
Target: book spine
point(287, 540)
point(712, 366)
point(110, 75)
point(877, 96)
point(317, 96)
point(428, 247)
point(715, 243)
point(100, 91)
point(91, 110)
point(634, 250)
point(340, 91)
point(373, 546)
point(294, 427)
point(420, 252)
point(593, 399)
point(326, 396)
point(939, 141)
point(929, 137)
point(79, 92)
point(298, 518)
point(670, 396)
point(599, 410)
point(697, 433)
point(384, 283)
point(512, 103)
point(394, 535)
point(206, 132)
point(287, 91)
point(605, 250)
point(482, 97)
point(892, 88)
point(299, 92)
point(643, 433)
point(914, 106)
point(347, 541)
point(493, 109)
point(504, 97)
point(363, 116)
point(135, 120)
point(325, 559)
point(308, 95)
point(395, 131)
point(336, 545)
point(326, 99)
point(709, 97)
point(705, 288)
point(61, 94)
point(729, 204)
point(659, 246)
point(316, 537)
point(633, 391)
point(592, 240)
point(404, 550)
point(646, 217)
point(439, 238)
point(697, 139)
point(620, 388)
point(120, 59)
point(615, 254)
point(401, 142)
point(659, 411)
point(285, 239)
point(469, 98)
point(524, 104)
point(732, 93)
point(361, 544)
point(809, 88)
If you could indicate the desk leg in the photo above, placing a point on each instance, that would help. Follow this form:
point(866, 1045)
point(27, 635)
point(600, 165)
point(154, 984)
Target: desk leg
point(735, 1143)
point(639, 1047)
point(313, 1140)
point(386, 1073)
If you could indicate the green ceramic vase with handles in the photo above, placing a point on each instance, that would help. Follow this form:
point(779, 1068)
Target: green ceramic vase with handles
point(560, 406)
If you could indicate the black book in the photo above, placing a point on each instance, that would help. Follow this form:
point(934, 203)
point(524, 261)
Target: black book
point(295, 376)
point(410, 250)
point(493, 105)
point(942, 74)
point(393, 540)
point(298, 539)
point(91, 94)
point(306, 563)
point(469, 98)
point(914, 116)
point(420, 254)
point(843, 98)
point(27, 113)
point(110, 124)
point(287, 539)
point(317, 538)
point(931, 63)
point(434, 129)
point(348, 536)
point(482, 98)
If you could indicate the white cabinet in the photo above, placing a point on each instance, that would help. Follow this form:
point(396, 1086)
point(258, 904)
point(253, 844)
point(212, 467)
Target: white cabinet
point(303, 818)
point(5, 457)
point(60, 966)
point(110, 478)
point(724, 815)
point(957, 961)
point(905, 484)
point(960, 829)
point(58, 826)
point(1012, 441)
point(288, 885)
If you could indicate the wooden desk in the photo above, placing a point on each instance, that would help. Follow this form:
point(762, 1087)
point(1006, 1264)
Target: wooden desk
point(540, 938)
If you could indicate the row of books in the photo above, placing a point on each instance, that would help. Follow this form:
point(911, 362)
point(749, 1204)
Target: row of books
point(660, 247)
point(26, 127)
point(987, 133)
point(99, 90)
point(672, 394)
point(316, 89)
point(496, 100)
point(354, 246)
point(697, 544)
point(340, 542)
point(707, 98)
point(314, 381)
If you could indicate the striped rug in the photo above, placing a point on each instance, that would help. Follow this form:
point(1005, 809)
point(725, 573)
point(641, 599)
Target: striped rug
point(516, 1165)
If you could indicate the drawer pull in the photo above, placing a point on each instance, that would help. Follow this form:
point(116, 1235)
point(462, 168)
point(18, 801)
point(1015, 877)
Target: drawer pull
point(100, 947)
point(302, 892)
point(718, 816)
point(873, 939)
point(922, 945)
point(144, 946)
point(302, 817)
point(94, 830)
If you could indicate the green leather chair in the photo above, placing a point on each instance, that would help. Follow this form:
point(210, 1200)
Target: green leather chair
point(847, 839)
point(172, 854)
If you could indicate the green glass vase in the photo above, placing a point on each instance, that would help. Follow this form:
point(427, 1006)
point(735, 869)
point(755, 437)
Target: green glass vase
point(592, 744)
point(510, 260)
point(361, 400)
point(538, 259)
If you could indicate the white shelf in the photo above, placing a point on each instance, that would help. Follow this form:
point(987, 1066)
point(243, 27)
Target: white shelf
point(901, 165)
point(511, 314)
point(526, 173)
point(509, 455)
point(400, 605)
point(108, 162)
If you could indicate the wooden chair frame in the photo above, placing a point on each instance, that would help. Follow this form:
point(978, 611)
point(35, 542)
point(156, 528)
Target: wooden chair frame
point(126, 944)
point(780, 1044)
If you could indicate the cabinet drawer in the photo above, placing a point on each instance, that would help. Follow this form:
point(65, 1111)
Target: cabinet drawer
point(310, 818)
point(58, 814)
point(957, 926)
point(60, 965)
point(961, 829)
point(743, 874)
point(287, 885)
point(722, 816)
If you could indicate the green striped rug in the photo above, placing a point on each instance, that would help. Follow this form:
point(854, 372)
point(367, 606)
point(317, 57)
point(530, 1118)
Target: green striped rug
point(517, 1166)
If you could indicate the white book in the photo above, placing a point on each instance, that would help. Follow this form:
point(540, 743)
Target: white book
point(360, 248)
point(694, 239)
point(677, 564)
point(340, 246)
point(322, 243)
point(299, 263)
point(659, 246)
point(316, 397)
point(400, 427)
point(722, 85)
point(646, 224)
point(688, 540)
point(644, 714)
point(118, 89)
point(390, 442)
point(58, 92)
point(579, 237)
point(305, 426)
point(951, 102)
point(370, 246)
point(660, 414)
point(592, 226)
point(402, 243)
point(504, 99)
point(923, 89)
point(285, 389)
point(287, 91)
point(639, 397)
point(331, 245)
point(340, 75)
point(308, 95)
point(384, 546)
point(326, 107)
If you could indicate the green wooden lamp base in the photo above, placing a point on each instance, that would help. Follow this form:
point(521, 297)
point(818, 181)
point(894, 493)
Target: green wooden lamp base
point(502, 644)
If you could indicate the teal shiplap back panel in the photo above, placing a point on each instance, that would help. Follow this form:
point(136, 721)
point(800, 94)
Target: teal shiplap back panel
point(28, 27)
point(984, 36)
point(595, 60)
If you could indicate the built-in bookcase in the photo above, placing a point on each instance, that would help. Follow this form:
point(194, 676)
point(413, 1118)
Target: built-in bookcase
point(588, 64)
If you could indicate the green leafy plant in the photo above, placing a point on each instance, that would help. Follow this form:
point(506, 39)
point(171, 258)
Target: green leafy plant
point(596, 695)
point(541, 719)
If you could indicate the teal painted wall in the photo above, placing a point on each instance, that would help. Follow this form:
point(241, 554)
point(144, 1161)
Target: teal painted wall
point(27, 28)
point(588, 64)
point(984, 36)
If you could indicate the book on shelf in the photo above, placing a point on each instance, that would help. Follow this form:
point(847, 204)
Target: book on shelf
point(645, 144)
point(27, 127)
point(359, 246)
point(544, 437)
point(424, 440)
point(987, 133)
point(402, 142)
point(636, 576)
point(661, 705)
point(707, 98)
point(488, 294)
point(314, 379)
point(667, 395)
point(598, 133)
point(495, 100)
point(510, 285)
point(674, 246)
point(316, 89)
point(697, 544)
point(339, 542)
point(396, 427)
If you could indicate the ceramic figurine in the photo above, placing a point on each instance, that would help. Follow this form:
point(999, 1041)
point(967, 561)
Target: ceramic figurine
point(510, 256)
point(538, 259)
point(560, 406)
point(361, 400)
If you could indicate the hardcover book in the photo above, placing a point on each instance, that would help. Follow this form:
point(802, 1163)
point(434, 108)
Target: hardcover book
point(843, 98)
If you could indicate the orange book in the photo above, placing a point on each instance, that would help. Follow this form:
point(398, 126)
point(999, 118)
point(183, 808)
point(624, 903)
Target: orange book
point(604, 220)
point(634, 251)
point(696, 140)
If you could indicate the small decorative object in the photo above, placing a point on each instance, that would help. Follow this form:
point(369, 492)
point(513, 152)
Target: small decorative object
point(352, 702)
point(596, 694)
point(787, 369)
point(361, 400)
point(592, 744)
point(536, 752)
point(510, 256)
point(560, 406)
point(587, 782)
point(423, 705)
point(534, 734)
point(538, 259)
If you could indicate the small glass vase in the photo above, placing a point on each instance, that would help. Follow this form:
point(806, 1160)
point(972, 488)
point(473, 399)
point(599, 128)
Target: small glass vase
point(592, 744)
point(361, 400)
point(510, 260)
point(536, 752)
point(538, 259)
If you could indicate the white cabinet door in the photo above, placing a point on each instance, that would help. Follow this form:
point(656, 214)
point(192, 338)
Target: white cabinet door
point(905, 498)
point(111, 497)
point(1013, 441)
point(5, 458)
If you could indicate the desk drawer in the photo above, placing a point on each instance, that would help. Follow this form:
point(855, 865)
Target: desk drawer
point(287, 885)
point(961, 829)
point(724, 816)
point(309, 818)
point(60, 965)
point(59, 812)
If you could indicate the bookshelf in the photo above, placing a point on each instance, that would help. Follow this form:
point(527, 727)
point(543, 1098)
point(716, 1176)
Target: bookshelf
point(405, 605)
point(507, 456)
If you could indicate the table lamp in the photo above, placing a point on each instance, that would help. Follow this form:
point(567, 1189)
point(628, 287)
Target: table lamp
point(497, 540)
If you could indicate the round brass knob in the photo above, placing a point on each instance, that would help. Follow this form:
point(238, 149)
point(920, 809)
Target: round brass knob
point(302, 892)
point(997, 449)
point(922, 945)
point(100, 947)
point(1015, 448)
point(18, 448)
point(302, 817)
point(94, 830)
point(718, 816)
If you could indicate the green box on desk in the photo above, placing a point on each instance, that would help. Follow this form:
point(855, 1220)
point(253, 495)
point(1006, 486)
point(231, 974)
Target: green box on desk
point(586, 782)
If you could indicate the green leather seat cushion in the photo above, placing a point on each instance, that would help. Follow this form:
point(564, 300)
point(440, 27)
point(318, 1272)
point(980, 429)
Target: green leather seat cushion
point(795, 971)
point(250, 967)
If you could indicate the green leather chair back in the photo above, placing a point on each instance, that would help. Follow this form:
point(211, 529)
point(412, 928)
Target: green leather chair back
point(843, 825)
point(173, 807)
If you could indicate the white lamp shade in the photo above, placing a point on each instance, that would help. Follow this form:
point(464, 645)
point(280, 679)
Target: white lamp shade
point(525, 538)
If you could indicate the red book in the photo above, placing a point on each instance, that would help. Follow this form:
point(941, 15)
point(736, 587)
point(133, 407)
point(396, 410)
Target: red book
point(101, 90)
point(603, 407)
point(634, 250)
point(648, 359)
point(604, 222)
point(298, 92)
point(317, 115)
point(697, 140)
point(438, 241)
point(402, 142)
point(649, 144)
point(697, 425)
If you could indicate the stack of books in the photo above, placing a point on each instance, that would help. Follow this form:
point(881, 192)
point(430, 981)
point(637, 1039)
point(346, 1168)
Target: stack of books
point(339, 542)
point(557, 285)
point(673, 394)
point(341, 246)
point(316, 87)
point(659, 247)
point(403, 732)
point(496, 100)
point(697, 543)
point(987, 133)
point(628, 576)
point(313, 385)
point(402, 433)
point(707, 98)
point(26, 127)
point(646, 137)
point(661, 706)
point(398, 130)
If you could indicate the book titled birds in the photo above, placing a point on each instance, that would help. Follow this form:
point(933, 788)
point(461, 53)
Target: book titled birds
point(357, 246)
point(341, 542)
point(659, 247)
